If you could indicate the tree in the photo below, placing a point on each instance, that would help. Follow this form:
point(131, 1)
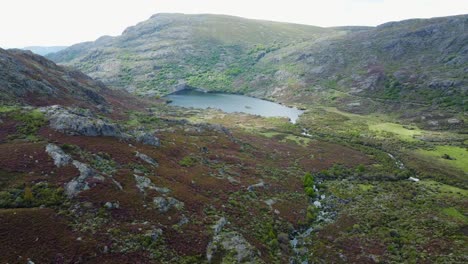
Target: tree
point(28, 195)
point(308, 180)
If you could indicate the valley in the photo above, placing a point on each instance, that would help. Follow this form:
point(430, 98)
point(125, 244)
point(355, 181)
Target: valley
point(364, 161)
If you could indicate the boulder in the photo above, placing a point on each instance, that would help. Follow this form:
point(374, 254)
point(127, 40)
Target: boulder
point(111, 205)
point(58, 155)
point(232, 247)
point(146, 159)
point(164, 204)
point(144, 183)
point(146, 138)
point(80, 122)
point(252, 187)
point(155, 234)
point(84, 181)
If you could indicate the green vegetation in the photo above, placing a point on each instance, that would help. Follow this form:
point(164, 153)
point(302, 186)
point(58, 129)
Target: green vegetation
point(37, 195)
point(401, 131)
point(444, 189)
point(30, 121)
point(188, 161)
point(455, 214)
point(7, 109)
point(309, 184)
point(458, 156)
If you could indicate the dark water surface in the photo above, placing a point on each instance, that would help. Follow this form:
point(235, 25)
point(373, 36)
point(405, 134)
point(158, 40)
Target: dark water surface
point(231, 103)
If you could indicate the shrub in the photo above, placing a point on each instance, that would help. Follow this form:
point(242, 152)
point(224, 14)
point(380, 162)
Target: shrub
point(188, 161)
point(28, 195)
point(312, 213)
point(310, 191)
point(31, 122)
point(308, 180)
point(309, 184)
point(360, 168)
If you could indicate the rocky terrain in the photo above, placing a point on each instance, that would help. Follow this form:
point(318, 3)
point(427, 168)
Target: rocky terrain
point(415, 64)
point(29, 79)
point(92, 174)
point(170, 51)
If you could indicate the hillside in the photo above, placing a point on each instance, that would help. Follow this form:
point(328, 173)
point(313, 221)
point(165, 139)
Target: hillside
point(44, 50)
point(415, 64)
point(418, 63)
point(169, 51)
point(32, 80)
point(92, 174)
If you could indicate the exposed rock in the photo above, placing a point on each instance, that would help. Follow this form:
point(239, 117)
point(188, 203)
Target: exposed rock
point(82, 182)
point(317, 204)
point(146, 138)
point(183, 221)
point(111, 205)
point(144, 183)
point(155, 234)
point(165, 204)
point(59, 156)
point(454, 121)
point(230, 244)
point(232, 247)
point(146, 159)
point(261, 184)
point(270, 202)
point(218, 227)
point(80, 122)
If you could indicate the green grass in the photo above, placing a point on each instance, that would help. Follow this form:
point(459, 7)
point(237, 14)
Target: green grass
point(188, 161)
point(459, 155)
point(366, 187)
point(451, 211)
point(7, 109)
point(302, 141)
point(400, 131)
point(444, 189)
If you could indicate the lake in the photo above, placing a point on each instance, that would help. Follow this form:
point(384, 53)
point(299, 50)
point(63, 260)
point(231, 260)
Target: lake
point(231, 103)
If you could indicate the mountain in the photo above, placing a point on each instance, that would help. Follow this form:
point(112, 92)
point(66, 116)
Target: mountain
point(92, 174)
point(169, 51)
point(413, 64)
point(44, 50)
point(26, 78)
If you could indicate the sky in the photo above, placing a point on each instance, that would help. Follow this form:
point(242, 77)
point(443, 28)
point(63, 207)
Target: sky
point(66, 22)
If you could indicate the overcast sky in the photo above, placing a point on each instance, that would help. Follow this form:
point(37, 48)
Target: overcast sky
point(65, 22)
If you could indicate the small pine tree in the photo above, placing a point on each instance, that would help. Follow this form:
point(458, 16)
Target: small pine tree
point(28, 195)
point(308, 180)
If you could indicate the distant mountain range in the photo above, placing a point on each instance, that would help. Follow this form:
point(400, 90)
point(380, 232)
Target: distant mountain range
point(44, 50)
point(413, 64)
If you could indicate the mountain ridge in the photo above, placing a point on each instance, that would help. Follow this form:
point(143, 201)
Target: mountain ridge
point(286, 62)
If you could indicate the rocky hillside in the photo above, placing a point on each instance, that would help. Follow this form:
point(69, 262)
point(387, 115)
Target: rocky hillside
point(415, 63)
point(420, 63)
point(93, 175)
point(169, 51)
point(29, 79)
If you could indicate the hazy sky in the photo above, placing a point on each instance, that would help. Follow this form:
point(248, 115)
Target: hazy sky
point(66, 22)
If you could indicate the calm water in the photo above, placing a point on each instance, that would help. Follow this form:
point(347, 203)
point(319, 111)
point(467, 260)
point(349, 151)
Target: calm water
point(231, 103)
